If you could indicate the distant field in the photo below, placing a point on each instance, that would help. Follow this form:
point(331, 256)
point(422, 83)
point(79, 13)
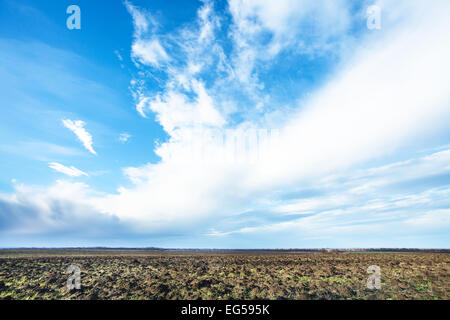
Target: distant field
point(138, 274)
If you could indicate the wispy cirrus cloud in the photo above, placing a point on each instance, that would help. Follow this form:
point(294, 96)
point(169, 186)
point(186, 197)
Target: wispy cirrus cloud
point(262, 30)
point(77, 127)
point(70, 171)
point(391, 200)
point(146, 48)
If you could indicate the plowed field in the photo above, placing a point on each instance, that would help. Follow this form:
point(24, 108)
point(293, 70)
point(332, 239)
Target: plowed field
point(225, 276)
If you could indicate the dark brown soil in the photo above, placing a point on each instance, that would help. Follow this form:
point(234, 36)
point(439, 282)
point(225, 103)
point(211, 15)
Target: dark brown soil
point(209, 276)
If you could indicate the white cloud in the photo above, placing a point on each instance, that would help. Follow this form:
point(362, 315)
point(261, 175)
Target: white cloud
point(391, 91)
point(146, 48)
point(142, 20)
point(62, 207)
point(184, 97)
point(77, 127)
point(174, 110)
point(392, 197)
point(149, 52)
point(286, 19)
point(70, 171)
point(263, 29)
point(124, 137)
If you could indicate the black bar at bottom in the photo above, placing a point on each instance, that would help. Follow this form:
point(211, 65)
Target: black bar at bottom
point(229, 309)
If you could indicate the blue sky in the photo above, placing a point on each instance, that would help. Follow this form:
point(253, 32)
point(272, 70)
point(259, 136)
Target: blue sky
point(227, 124)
